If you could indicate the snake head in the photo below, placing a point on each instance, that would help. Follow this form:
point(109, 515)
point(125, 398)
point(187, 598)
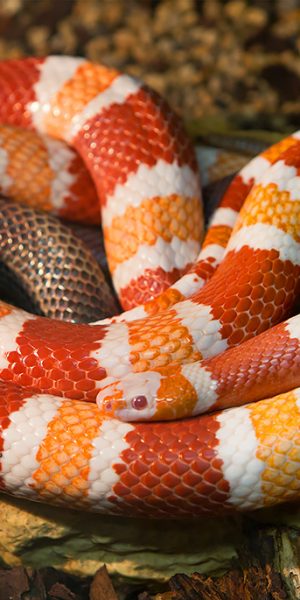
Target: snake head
point(158, 395)
point(132, 398)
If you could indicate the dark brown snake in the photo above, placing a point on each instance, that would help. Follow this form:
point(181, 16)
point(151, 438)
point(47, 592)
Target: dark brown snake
point(50, 268)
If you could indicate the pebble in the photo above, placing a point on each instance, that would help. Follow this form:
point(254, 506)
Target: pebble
point(208, 58)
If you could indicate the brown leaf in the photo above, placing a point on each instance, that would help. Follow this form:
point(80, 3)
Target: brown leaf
point(102, 587)
point(13, 583)
point(60, 592)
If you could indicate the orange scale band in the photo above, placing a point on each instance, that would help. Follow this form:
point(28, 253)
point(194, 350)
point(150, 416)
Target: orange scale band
point(159, 341)
point(88, 81)
point(173, 384)
point(278, 434)
point(5, 309)
point(160, 217)
point(218, 234)
point(273, 153)
point(65, 453)
point(28, 167)
point(164, 301)
point(270, 206)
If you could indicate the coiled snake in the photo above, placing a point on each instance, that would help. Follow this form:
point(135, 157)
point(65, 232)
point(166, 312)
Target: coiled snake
point(212, 339)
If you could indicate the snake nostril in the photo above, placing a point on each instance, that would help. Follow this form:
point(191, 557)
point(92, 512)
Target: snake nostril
point(139, 402)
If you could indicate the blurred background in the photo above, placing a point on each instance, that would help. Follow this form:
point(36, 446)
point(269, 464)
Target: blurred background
point(222, 64)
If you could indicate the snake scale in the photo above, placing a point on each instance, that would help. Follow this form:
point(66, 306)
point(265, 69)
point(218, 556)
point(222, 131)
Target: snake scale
point(204, 330)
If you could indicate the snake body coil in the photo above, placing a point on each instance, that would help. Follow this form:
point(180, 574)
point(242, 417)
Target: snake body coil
point(165, 357)
point(54, 268)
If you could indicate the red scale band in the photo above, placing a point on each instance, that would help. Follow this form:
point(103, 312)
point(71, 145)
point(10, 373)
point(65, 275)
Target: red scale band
point(171, 470)
point(56, 359)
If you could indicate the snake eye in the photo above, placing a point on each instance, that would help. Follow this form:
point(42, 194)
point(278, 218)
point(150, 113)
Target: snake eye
point(108, 406)
point(139, 402)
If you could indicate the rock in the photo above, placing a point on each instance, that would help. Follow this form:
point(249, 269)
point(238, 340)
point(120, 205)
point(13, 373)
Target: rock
point(256, 17)
point(39, 39)
point(36, 536)
point(235, 10)
point(66, 38)
point(96, 47)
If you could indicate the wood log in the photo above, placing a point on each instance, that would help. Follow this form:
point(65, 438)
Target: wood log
point(267, 568)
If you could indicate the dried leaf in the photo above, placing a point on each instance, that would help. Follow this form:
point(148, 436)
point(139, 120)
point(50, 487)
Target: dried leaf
point(102, 587)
